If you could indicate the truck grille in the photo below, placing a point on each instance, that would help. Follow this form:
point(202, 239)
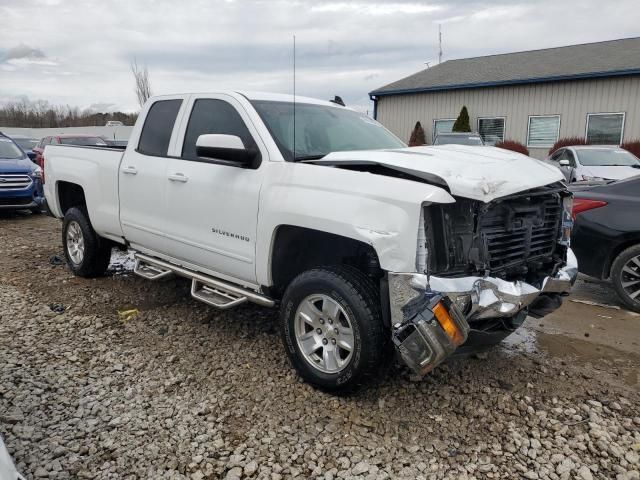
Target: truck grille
point(514, 232)
point(508, 237)
point(14, 181)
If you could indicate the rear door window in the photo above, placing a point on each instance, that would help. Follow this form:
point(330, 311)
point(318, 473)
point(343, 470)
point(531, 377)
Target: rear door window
point(158, 126)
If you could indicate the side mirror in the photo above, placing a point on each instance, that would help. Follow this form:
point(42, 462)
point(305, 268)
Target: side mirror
point(32, 156)
point(225, 147)
point(564, 163)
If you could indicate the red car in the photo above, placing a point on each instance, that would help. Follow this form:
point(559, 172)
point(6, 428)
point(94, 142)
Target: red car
point(65, 139)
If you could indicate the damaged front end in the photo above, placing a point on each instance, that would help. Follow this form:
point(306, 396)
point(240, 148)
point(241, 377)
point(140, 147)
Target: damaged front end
point(488, 265)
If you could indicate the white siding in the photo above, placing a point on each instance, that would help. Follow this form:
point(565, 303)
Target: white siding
point(571, 100)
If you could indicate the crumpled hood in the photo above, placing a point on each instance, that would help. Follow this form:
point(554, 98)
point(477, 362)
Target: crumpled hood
point(478, 173)
point(613, 172)
point(21, 165)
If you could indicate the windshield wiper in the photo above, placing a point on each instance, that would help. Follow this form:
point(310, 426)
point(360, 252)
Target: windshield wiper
point(309, 157)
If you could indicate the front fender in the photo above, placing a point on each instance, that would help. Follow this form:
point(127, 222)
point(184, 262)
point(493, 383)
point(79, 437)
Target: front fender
point(380, 211)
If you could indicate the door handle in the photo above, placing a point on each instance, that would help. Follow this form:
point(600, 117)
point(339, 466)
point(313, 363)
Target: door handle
point(178, 177)
point(130, 170)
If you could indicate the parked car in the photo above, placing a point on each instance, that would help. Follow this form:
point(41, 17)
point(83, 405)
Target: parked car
point(458, 139)
point(590, 162)
point(65, 139)
point(115, 143)
point(7, 468)
point(26, 144)
point(114, 123)
point(20, 179)
point(361, 245)
point(606, 235)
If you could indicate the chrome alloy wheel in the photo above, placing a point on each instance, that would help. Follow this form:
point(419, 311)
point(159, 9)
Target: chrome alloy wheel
point(630, 280)
point(75, 242)
point(324, 333)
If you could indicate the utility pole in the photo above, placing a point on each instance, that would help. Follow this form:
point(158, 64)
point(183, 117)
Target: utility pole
point(439, 43)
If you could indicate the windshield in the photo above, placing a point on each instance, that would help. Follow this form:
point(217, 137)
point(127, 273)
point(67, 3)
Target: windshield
point(457, 140)
point(25, 143)
point(600, 157)
point(82, 141)
point(9, 150)
point(320, 129)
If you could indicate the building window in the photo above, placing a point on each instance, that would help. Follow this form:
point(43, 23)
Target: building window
point(491, 129)
point(605, 128)
point(442, 126)
point(543, 130)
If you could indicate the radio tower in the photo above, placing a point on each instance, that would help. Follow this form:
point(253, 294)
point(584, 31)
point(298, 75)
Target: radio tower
point(440, 43)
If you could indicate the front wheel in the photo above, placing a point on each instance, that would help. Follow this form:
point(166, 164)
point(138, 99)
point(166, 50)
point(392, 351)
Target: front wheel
point(625, 275)
point(87, 254)
point(332, 328)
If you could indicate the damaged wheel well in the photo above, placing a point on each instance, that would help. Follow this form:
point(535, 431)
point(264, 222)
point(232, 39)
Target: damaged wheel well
point(70, 195)
point(297, 249)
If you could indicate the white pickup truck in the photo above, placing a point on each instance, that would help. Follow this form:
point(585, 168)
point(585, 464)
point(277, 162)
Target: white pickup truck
point(368, 247)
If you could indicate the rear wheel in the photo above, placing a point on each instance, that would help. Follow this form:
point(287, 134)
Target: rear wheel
point(87, 254)
point(625, 276)
point(332, 328)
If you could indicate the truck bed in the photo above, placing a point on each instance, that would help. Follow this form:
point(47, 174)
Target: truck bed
point(95, 169)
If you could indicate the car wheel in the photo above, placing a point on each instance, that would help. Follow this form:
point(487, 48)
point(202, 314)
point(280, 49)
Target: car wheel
point(332, 329)
point(625, 275)
point(87, 254)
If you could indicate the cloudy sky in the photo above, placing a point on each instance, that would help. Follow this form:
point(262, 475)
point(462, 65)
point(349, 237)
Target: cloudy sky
point(78, 52)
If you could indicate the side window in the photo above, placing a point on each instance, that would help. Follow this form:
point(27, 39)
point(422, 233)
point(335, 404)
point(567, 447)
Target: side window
point(157, 128)
point(214, 116)
point(569, 156)
point(557, 156)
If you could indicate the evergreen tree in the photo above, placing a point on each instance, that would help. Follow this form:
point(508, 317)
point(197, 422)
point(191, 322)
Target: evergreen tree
point(417, 136)
point(462, 122)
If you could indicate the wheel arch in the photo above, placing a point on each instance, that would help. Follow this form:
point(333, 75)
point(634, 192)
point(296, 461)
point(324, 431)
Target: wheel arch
point(621, 247)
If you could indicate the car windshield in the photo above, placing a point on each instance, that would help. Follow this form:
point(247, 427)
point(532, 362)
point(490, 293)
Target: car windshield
point(82, 141)
point(9, 150)
point(25, 143)
point(458, 140)
point(601, 157)
point(320, 130)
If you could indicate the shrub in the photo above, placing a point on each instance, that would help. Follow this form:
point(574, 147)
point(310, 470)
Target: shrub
point(462, 122)
point(567, 142)
point(513, 146)
point(632, 146)
point(417, 136)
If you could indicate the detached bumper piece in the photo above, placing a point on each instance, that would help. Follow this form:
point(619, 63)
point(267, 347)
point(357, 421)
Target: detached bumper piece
point(434, 329)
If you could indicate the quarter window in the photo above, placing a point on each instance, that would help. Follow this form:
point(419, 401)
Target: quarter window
point(605, 128)
point(442, 126)
point(491, 130)
point(217, 117)
point(156, 132)
point(543, 130)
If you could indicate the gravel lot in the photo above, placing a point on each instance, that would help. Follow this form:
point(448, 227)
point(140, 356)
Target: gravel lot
point(185, 391)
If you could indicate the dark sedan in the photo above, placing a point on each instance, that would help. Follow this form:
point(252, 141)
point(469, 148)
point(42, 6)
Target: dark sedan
point(606, 235)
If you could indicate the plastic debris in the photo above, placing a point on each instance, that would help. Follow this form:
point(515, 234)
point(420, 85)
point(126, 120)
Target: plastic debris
point(57, 307)
point(55, 260)
point(127, 315)
point(595, 304)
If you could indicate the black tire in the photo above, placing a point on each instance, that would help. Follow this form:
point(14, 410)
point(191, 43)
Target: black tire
point(359, 299)
point(629, 258)
point(97, 250)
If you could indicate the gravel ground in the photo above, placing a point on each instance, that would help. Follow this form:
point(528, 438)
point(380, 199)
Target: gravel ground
point(185, 391)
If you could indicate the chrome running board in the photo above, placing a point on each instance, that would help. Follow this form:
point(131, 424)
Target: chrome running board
point(207, 289)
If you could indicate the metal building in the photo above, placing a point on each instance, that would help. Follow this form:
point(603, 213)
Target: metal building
point(534, 97)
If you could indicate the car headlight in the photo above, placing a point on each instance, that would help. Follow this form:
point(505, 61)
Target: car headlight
point(37, 173)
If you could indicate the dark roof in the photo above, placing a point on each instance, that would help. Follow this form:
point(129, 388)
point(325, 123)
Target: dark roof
point(589, 60)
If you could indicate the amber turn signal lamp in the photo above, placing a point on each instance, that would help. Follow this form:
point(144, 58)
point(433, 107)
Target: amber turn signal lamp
point(448, 324)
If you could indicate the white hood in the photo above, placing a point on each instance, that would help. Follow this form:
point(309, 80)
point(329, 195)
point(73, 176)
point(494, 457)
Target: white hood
point(479, 173)
point(609, 172)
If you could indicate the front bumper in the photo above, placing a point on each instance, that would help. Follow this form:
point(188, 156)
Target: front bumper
point(478, 297)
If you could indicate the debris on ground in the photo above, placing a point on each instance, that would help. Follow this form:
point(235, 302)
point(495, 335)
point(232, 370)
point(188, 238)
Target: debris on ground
point(57, 307)
point(595, 304)
point(128, 315)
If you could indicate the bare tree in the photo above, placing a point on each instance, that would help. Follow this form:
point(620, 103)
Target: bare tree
point(143, 84)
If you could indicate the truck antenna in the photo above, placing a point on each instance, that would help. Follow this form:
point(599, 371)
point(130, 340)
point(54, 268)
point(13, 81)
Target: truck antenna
point(294, 98)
